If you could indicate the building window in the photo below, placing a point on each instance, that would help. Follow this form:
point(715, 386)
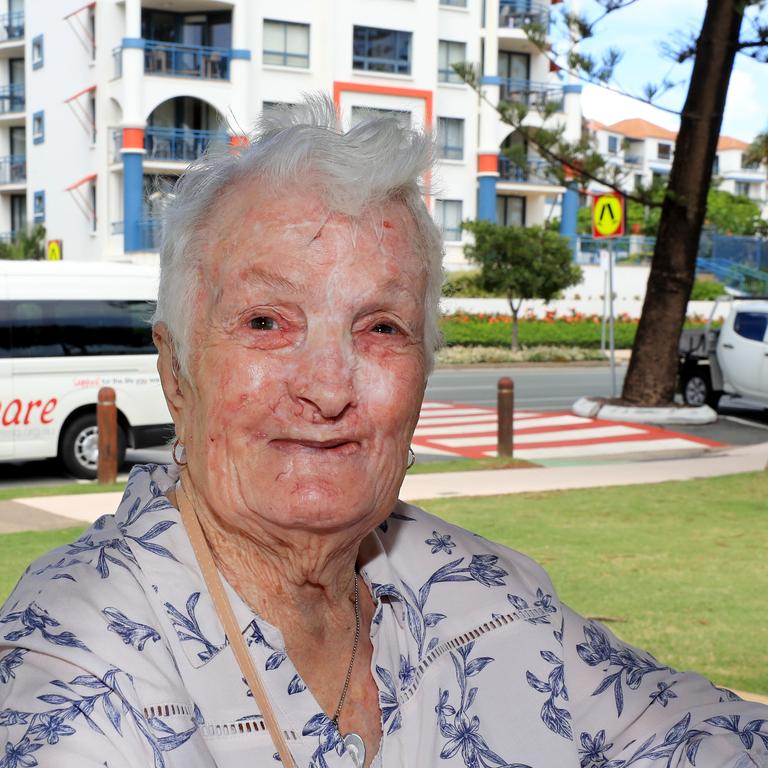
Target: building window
point(664, 151)
point(742, 188)
point(716, 165)
point(510, 211)
point(360, 114)
point(638, 181)
point(286, 44)
point(448, 218)
point(38, 127)
point(38, 207)
point(381, 50)
point(37, 52)
point(450, 138)
point(92, 200)
point(449, 53)
point(18, 214)
point(454, 3)
point(613, 145)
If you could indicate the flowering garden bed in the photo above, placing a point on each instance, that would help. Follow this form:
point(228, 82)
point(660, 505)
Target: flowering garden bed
point(573, 330)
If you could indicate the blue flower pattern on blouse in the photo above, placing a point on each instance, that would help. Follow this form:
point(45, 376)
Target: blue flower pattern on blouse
point(110, 653)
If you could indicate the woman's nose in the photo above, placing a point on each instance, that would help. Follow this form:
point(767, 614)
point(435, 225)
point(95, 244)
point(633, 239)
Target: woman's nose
point(325, 381)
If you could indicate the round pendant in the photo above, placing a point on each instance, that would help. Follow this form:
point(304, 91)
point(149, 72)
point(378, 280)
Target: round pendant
point(355, 747)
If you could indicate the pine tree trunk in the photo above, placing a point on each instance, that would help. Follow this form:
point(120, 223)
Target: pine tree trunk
point(652, 371)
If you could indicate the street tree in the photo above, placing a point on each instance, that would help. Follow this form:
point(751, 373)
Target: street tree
point(521, 263)
point(26, 245)
point(651, 378)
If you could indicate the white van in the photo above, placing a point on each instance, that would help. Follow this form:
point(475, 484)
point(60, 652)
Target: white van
point(67, 329)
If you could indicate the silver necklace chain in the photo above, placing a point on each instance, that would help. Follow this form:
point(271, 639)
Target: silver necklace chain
point(348, 678)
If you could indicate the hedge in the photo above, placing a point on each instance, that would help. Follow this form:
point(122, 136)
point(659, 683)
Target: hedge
point(496, 330)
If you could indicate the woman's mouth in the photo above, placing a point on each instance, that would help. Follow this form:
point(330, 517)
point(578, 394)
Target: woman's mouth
point(331, 448)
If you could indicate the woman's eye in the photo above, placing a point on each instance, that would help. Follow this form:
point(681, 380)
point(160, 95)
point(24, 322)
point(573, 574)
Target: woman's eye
point(262, 323)
point(384, 328)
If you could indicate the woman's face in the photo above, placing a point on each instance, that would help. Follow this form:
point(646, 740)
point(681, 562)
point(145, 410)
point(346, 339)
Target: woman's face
point(306, 362)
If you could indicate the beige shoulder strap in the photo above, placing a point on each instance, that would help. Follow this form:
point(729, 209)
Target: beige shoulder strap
point(236, 642)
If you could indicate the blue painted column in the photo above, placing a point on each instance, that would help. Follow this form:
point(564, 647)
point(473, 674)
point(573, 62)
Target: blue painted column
point(569, 210)
point(133, 188)
point(487, 174)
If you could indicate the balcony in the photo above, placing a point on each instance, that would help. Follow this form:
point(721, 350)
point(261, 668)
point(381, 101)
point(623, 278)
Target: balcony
point(532, 94)
point(12, 98)
point(180, 145)
point(13, 169)
point(519, 14)
point(176, 60)
point(633, 159)
point(534, 171)
point(11, 26)
point(203, 62)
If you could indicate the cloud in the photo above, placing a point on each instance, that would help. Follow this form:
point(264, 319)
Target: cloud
point(608, 107)
point(746, 113)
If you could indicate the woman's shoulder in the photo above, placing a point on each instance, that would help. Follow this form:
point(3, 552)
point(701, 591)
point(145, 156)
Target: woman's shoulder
point(423, 549)
point(69, 594)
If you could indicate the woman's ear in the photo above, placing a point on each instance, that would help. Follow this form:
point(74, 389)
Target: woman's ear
point(170, 377)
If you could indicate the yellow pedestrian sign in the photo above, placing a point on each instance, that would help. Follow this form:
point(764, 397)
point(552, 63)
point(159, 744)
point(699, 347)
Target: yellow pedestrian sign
point(607, 214)
point(54, 250)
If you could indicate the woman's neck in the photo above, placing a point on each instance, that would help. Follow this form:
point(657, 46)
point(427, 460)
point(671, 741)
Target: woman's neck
point(299, 582)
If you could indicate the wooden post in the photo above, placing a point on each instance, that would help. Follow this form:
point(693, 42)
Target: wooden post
point(106, 423)
point(506, 406)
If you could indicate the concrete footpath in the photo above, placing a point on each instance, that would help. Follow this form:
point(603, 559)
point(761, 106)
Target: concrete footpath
point(48, 512)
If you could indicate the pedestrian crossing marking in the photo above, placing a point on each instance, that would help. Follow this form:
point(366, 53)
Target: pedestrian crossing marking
point(455, 429)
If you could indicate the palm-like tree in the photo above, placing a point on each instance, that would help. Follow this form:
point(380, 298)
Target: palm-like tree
point(758, 149)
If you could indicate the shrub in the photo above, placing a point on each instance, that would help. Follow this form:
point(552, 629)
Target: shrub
point(467, 285)
point(707, 290)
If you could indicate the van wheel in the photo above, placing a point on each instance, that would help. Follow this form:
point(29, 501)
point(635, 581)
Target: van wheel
point(697, 389)
point(79, 449)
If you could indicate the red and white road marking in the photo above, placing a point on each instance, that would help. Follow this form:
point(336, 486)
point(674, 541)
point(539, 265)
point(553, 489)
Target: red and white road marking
point(452, 429)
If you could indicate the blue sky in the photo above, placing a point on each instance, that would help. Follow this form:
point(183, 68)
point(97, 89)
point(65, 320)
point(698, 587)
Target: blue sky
point(637, 31)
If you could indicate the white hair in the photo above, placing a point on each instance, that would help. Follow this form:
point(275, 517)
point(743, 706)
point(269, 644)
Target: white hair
point(377, 161)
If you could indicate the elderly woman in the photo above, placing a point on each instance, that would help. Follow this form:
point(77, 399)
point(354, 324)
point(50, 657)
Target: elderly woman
point(269, 598)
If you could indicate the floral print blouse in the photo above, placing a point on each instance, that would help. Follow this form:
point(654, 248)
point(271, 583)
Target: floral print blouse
point(111, 655)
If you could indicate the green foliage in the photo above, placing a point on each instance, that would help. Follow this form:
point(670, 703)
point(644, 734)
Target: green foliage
point(732, 214)
point(467, 285)
point(480, 331)
point(758, 149)
point(521, 262)
point(707, 290)
point(27, 245)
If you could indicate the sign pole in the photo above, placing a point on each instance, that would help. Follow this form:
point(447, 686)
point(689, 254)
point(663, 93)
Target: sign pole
point(611, 334)
point(608, 220)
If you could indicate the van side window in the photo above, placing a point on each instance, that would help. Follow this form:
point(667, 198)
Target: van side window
point(751, 325)
point(72, 328)
point(5, 330)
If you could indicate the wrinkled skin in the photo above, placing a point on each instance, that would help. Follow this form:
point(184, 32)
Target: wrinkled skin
point(307, 364)
point(307, 371)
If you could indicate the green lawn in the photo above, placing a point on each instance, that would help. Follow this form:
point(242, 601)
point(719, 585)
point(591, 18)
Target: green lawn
point(679, 569)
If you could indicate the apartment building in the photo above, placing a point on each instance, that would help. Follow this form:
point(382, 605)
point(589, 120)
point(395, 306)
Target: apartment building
point(642, 152)
point(103, 105)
